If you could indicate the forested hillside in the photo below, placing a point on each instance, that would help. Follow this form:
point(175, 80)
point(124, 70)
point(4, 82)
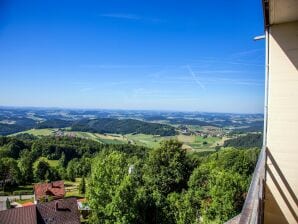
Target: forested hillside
point(54, 123)
point(246, 141)
point(124, 126)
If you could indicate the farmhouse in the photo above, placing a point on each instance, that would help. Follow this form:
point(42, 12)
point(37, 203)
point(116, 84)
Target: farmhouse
point(44, 191)
point(63, 211)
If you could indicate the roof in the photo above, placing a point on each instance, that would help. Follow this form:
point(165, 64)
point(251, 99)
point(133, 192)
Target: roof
point(280, 11)
point(55, 189)
point(63, 211)
point(23, 215)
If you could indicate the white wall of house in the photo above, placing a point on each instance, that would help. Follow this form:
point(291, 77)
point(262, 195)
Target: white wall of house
point(282, 127)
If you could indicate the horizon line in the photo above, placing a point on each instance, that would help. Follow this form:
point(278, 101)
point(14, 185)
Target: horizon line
point(121, 109)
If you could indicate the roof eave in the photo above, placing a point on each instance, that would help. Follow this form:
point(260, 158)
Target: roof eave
point(265, 4)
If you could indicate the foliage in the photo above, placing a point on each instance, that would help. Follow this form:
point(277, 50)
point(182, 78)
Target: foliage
point(82, 186)
point(166, 167)
point(110, 189)
point(54, 123)
point(124, 126)
point(133, 184)
point(44, 172)
point(9, 172)
point(25, 164)
point(247, 141)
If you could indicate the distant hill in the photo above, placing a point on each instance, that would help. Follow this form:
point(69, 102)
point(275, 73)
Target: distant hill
point(125, 126)
point(247, 141)
point(16, 125)
point(184, 121)
point(54, 123)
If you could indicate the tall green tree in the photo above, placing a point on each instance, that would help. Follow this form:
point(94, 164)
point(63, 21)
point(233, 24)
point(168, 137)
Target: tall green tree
point(111, 190)
point(9, 172)
point(165, 172)
point(166, 168)
point(42, 170)
point(72, 169)
point(25, 164)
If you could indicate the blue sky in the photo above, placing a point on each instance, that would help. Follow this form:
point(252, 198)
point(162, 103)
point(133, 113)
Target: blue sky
point(163, 55)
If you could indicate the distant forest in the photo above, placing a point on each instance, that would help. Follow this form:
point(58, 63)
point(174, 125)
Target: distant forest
point(100, 125)
point(125, 126)
point(247, 141)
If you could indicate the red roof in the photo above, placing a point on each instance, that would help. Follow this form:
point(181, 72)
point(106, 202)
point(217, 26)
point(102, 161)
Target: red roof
point(54, 189)
point(63, 211)
point(22, 215)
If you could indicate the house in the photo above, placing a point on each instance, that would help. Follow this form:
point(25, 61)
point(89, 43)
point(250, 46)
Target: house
point(43, 191)
point(63, 211)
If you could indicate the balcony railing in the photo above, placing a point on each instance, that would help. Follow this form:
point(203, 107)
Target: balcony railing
point(253, 208)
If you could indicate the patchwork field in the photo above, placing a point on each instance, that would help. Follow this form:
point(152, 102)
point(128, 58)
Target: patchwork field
point(190, 142)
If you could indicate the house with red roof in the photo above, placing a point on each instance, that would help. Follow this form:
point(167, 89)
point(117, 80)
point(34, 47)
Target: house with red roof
point(63, 211)
point(44, 191)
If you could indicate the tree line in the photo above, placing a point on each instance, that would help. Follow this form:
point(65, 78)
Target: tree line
point(246, 141)
point(26, 159)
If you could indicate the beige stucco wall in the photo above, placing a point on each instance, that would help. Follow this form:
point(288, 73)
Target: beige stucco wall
point(282, 129)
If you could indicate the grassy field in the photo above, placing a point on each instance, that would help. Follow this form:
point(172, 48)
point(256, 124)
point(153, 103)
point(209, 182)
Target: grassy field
point(199, 143)
point(52, 163)
point(37, 132)
point(72, 188)
point(150, 141)
point(191, 142)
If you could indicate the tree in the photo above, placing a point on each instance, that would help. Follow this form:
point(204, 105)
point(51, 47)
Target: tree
point(25, 164)
point(225, 196)
point(62, 160)
point(165, 172)
point(181, 207)
point(111, 190)
point(72, 169)
point(166, 168)
point(15, 146)
point(9, 172)
point(82, 186)
point(42, 170)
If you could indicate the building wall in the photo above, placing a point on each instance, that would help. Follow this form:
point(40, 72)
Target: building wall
point(282, 130)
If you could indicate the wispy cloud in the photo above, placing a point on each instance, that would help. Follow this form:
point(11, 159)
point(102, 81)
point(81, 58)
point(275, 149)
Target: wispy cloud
point(121, 16)
point(195, 78)
point(248, 52)
point(116, 66)
point(128, 16)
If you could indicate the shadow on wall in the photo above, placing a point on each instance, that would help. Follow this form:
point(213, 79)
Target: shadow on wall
point(288, 43)
point(284, 183)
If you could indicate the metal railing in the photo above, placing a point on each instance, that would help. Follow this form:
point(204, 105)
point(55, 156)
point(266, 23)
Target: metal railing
point(253, 208)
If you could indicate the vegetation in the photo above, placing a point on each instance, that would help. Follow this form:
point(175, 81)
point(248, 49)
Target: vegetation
point(124, 126)
point(168, 186)
point(246, 141)
point(127, 183)
point(17, 125)
point(54, 123)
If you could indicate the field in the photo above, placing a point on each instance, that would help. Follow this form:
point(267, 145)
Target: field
point(37, 132)
point(52, 163)
point(190, 142)
point(72, 188)
point(199, 143)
